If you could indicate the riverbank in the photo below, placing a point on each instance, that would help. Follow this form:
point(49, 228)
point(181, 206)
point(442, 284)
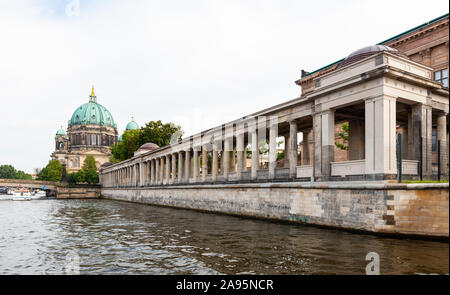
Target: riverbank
point(419, 210)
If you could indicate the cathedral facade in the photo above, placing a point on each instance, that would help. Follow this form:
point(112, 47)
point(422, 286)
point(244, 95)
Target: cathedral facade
point(90, 132)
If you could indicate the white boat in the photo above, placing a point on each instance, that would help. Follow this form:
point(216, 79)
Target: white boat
point(21, 195)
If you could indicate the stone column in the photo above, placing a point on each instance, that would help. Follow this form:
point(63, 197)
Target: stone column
point(161, 170)
point(409, 142)
point(155, 171)
point(421, 128)
point(293, 153)
point(356, 140)
point(380, 129)
point(255, 154)
point(152, 174)
point(180, 167)
point(240, 151)
point(141, 174)
point(215, 162)
point(195, 172)
point(323, 143)
point(174, 167)
point(167, 176)
point(441, 135)
point(226, 158)
point(286, 151)
point(306, 147)
point(233, 160)
point(187, 165)
point(204, 163)
point(273, 133)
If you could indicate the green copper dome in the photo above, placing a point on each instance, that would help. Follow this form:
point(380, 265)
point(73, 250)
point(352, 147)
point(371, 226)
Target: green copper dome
point(61, 132)
point(92, 113)
point(132, 125)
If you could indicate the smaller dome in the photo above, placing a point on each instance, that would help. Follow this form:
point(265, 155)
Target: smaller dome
point(149, 146)
point(61, 132)
point(365, 52)
point(132, 125)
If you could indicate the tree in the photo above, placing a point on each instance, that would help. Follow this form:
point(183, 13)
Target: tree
point(125, 149)
point(159, 133)
point(80, 176)
point(91, 176)
point(153, 131)
point(9, 172)
point(344, 136)
point(51, 172)
point(89, 170)
point(89, 164)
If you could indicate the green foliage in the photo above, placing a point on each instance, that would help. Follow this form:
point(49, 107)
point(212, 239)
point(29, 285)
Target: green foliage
point(280, 155)
point(89, 169)
point(51, 172)
point(80, 176)
point(77, 177)
point(88, 172)
point(71, 178)
point(89, 164)
point(159, 133)
point(344, 136)
point(154, 131)
point(124, 149)
point(91, 176)
point(9, 172)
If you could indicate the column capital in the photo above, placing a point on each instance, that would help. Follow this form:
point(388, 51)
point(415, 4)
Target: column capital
point(371, 99)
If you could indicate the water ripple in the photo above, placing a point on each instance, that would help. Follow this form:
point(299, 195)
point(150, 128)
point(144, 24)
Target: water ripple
point(123, 238)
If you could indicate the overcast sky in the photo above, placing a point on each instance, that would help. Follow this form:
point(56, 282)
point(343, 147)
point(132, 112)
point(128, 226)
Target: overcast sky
point(195, 63)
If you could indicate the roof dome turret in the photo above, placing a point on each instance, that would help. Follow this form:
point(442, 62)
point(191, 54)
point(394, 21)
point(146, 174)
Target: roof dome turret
point(61, 131)
point(149, 146)
point(132, 125)
point(92, 113)
point(365, 52)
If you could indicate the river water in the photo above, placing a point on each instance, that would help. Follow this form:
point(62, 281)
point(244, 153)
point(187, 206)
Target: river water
point(111, 237)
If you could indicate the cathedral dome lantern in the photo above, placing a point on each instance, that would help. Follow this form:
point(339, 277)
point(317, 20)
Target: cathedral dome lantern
point(61, 131)
point(92, 113)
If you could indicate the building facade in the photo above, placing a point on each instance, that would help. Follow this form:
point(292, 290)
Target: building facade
point(90, 132)
point(378, 90)
point(426, 44)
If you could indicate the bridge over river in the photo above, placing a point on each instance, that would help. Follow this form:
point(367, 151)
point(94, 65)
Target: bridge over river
point(56, 189)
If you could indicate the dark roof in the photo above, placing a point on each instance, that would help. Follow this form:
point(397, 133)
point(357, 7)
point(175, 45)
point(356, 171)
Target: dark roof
point(416, 28)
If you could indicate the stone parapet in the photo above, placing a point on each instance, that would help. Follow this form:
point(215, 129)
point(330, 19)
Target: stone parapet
point(377, 207)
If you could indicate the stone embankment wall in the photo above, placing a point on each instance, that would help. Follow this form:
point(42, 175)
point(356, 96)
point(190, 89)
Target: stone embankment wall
point(78, 192)
point(408, 209)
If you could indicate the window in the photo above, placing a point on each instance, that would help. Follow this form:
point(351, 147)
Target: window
point(442, 77)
